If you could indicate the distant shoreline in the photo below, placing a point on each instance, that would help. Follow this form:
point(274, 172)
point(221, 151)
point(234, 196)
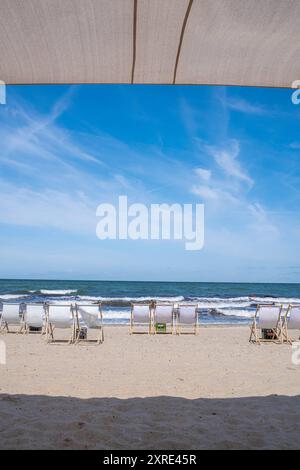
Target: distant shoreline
point(147, 281)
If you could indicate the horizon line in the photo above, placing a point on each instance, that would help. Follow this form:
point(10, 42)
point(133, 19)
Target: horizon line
point(144, 281)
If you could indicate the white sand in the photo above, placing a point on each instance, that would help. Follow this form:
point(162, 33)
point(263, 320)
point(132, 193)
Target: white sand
point(211, 391)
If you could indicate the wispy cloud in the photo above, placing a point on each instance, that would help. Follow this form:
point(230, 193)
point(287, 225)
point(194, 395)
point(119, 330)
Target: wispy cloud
point(261, 220)
point(206, 192)
point(227, 159)
point(203, 173)
point(56, 178)
point(226, 188)
point(244, 106)
point(224, 183)
point(50, 177)
point(295, 145)
point(44, 208)
point(189, 116)
point(211, 193)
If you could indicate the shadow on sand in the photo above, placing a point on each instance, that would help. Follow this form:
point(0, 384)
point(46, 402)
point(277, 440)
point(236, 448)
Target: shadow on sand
point(35, 422)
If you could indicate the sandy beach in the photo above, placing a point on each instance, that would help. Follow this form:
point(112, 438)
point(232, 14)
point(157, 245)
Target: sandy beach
point(150, 392)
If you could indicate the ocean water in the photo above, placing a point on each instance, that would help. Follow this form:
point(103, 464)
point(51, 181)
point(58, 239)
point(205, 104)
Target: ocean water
point(221, 303)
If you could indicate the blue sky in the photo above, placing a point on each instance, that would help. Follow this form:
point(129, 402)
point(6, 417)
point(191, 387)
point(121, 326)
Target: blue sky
point(66, 149)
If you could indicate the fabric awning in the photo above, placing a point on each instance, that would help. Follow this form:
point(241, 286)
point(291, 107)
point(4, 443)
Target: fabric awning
point(226, 42)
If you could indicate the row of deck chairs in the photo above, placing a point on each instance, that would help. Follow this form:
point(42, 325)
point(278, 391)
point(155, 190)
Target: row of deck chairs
point(47, 318)
point(175, 318)
point(279, 321)
point(180, 318)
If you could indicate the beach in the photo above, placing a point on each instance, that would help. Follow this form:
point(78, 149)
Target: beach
point(209, 391)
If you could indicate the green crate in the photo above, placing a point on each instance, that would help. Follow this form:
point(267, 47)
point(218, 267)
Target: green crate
point(160, 327)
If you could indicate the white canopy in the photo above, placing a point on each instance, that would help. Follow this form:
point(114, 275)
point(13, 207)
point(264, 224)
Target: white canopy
point(230, 42)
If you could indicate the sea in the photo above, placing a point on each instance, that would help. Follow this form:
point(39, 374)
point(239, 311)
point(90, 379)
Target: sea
point(218, 303)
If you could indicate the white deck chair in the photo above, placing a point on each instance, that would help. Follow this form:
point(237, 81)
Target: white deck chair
point(187, 316)
point(140, 317)
point(164, 314)
point(59, 317)
point(267, 317)
point(291, 322)
point(89, 316)
point(11, 316)
point(34, 317)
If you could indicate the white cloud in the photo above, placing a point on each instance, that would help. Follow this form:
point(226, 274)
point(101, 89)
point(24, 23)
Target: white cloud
point(52, 180)
point(295, 145)
point(260, 221)
point(223, 186)
point(227, 160)
point(215, 193)
point(243, 106)
point(46, 208)
point(203, 173)
point(189, 117)
point(205, 192)
point(221, 192)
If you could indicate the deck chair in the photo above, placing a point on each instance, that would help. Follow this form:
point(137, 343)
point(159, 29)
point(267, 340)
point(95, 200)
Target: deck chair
point(89, 317)
point(11, 316)
point(140, 318)
point(59, 317)
point(267, 317)
point(187, 316)
point(34, 317)
point(291, 321)
point(164, 318)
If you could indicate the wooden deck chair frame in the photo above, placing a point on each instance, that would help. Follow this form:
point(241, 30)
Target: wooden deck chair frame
point(25, 327)
point(172, 323)
point(285, 327)
point(100, 337)
point(134, 323)
point(195, 325)
point(49, 330)
point(277, 331)
point(4, 325)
